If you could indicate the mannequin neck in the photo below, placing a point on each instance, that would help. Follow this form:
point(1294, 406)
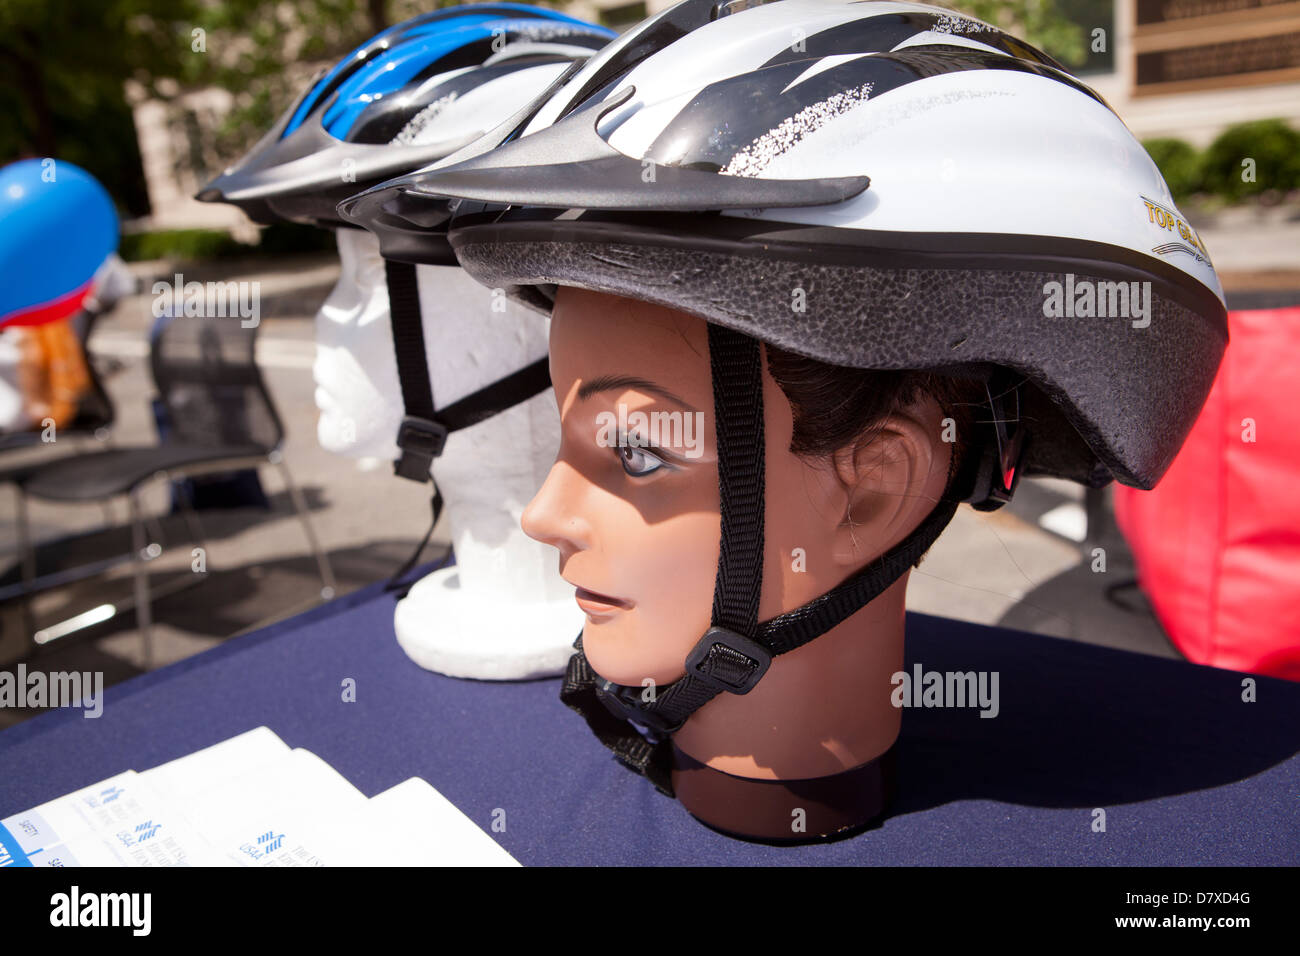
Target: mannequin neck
point(820, 710)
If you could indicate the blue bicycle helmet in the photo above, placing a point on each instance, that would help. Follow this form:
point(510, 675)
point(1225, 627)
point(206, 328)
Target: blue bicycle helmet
point(407, 97)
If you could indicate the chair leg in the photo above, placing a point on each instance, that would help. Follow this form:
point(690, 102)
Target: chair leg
point(192, 522)
point(300, 506)
point(143, 610)
point(152, 521)
point(26, 548)
point(157, 535)
point(27, 559)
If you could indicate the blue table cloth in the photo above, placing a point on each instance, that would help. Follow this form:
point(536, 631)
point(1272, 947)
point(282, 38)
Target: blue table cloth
point(1187, 772)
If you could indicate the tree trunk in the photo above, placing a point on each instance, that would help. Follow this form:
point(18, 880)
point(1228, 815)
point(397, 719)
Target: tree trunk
point(43, 140)
point(378, 15)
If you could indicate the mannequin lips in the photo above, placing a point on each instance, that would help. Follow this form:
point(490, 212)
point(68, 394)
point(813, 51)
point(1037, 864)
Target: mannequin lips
point(597, 604)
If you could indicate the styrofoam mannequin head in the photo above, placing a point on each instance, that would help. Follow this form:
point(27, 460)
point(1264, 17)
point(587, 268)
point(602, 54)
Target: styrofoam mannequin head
point(355, 368)
point(473, 337)
point(647, 545)
point(502, 612)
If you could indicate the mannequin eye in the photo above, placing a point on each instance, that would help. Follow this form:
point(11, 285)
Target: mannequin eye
point(638, 462)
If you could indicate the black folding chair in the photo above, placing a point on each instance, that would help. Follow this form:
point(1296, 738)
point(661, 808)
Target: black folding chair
point(221, 418)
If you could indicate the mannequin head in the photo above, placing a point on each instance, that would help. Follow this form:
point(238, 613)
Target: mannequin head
point(355, 369)
point(471, 336)
point(485, 475)
point(854, 462)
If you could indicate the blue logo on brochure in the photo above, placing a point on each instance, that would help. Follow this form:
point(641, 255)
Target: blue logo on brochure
point(267, 844)
point(145, 830)
point(104, 796)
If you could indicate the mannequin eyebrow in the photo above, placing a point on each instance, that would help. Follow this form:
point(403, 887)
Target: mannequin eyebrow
point(608, 383)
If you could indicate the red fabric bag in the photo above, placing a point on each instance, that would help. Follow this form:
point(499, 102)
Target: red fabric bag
point(1217, 542)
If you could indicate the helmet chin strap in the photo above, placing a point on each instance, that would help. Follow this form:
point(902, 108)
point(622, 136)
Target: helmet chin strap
point(424, 430)
point(735, 652)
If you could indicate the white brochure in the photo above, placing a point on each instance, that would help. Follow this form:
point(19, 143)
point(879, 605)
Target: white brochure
point(247, 801)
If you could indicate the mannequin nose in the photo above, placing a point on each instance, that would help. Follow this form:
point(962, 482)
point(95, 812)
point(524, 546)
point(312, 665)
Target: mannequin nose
point(554, 515)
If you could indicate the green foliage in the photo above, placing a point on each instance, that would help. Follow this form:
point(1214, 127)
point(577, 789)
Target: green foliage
point(249, 43)
point(179, 244)
point(253, 46)
point(1096, 21)
point(1270, 147)
point(1039, 23)
point(200, 244)
point(62, 67)
point(1179, 163)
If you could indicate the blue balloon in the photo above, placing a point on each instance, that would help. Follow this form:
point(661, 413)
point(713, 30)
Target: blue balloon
point(57, 226)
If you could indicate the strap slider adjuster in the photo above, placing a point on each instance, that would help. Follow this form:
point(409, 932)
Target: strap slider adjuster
point(421, 441)
point(728, 661)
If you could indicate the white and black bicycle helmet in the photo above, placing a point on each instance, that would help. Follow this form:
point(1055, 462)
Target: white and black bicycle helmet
point(943, 194)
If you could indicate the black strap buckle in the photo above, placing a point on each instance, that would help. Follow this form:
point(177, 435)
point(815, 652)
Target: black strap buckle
point(722, 660)
point(626, 703)
point(421, 441)
point(727, 661)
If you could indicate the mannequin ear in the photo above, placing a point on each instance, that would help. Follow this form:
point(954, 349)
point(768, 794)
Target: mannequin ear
point(888, 484)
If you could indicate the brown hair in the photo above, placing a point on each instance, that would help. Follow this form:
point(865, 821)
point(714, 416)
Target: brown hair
point(836, 406)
